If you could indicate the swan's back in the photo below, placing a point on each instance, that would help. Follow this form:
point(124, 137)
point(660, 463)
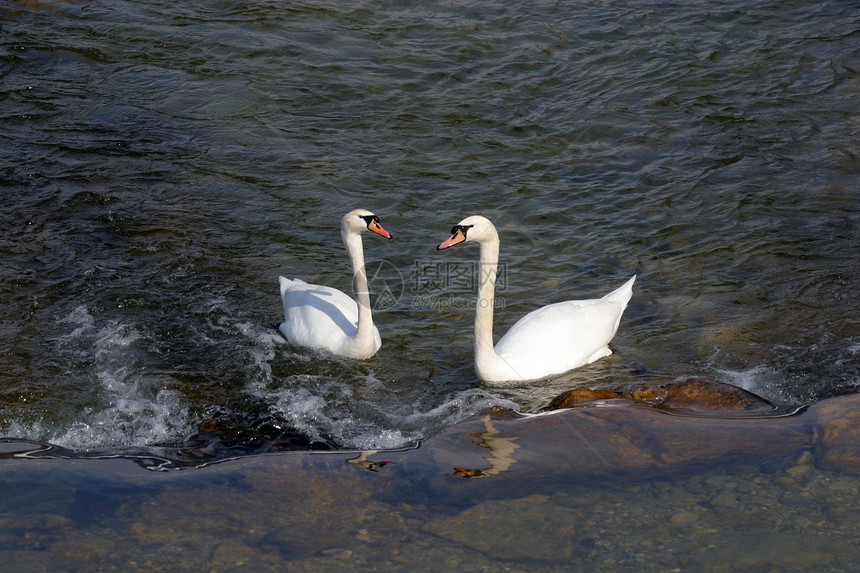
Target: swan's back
point(318, 316)
point(565, 335)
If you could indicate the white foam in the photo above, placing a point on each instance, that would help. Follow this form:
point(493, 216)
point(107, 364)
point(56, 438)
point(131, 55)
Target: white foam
point(130, 422)
point(262, 350)
point(385, 439)
point(320, 406)
point(124, 406)
point(80, 316)
point(129, 407)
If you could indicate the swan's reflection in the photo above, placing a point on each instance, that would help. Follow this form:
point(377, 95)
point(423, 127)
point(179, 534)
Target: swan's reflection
point(362, 461)
point(501, 452)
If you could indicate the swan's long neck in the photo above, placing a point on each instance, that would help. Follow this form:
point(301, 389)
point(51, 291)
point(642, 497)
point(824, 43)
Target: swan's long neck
point(364, 335)
point(485, 354)
point(489, 366)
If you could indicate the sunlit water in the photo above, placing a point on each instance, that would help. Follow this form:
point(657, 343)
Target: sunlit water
point(162, 163)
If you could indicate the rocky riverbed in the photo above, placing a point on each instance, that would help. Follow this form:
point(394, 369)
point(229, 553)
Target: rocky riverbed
point(613, 484)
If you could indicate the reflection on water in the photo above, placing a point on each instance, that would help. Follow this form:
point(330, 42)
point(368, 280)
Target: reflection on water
point(501, 450)
point(363, 462)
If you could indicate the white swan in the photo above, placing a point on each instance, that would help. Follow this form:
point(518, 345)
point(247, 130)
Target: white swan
point(325, 318)
point(546, 342)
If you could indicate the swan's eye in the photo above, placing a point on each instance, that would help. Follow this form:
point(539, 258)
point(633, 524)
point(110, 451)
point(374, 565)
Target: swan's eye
point(461, 228)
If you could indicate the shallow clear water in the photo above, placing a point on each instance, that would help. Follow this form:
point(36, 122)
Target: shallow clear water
point(603, 488)
point(161, 164)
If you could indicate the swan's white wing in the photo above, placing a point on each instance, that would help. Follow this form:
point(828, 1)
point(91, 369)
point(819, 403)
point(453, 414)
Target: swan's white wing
point(560, 337)
point(563, 336)
point(317, 316)
point(287, 284)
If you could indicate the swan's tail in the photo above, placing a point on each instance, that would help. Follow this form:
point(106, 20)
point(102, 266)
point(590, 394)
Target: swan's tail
point(287, 284)
point(624, 293)
point(622, 296)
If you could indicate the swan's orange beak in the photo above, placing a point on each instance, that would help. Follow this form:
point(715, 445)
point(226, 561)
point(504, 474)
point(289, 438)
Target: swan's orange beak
point(377, 228)
point(458, 237)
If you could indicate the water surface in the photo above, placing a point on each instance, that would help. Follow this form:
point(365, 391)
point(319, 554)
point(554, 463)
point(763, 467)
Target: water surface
point(161, 164)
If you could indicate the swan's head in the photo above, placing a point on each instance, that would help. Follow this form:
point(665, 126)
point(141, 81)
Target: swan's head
point(475, 228)
point(360, 220)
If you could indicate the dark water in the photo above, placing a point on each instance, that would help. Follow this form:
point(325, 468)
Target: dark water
point(162, 163)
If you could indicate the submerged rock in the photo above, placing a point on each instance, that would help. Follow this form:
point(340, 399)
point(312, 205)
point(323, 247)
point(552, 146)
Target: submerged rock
point(690, 394)
point(620, 487)
point(700, 394)
point(576, 396)
point(529, 528)
point(832, 444)
point(836, 434)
